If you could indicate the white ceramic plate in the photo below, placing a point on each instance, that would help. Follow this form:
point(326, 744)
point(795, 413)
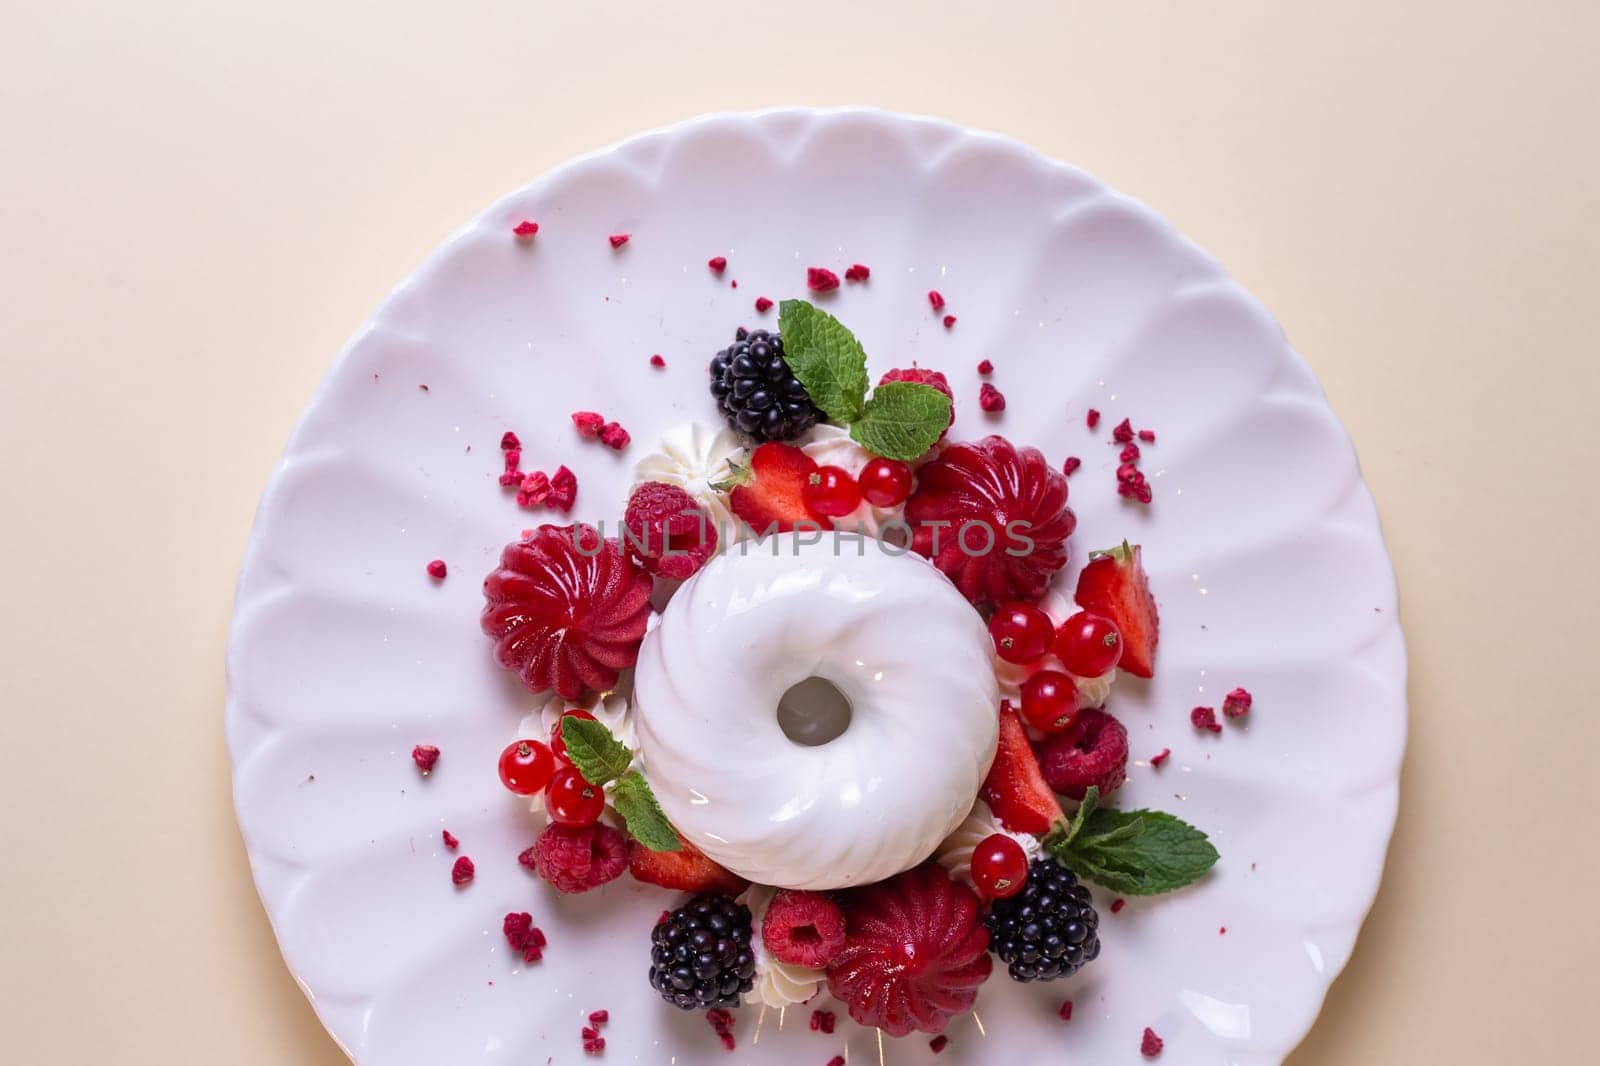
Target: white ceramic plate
point(1263, 546)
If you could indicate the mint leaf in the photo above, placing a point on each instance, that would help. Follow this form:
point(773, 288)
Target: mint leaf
point(598, 755)
point(1091, 800)
point(1139, 853)
point(902, 420)
point(638, 807)
point(826, 357)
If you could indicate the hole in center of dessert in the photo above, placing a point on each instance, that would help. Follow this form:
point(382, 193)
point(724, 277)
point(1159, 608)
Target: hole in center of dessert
point(813, 712)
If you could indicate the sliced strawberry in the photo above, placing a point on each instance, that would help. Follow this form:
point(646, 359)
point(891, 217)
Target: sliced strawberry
point(770, 492)
point(1114, 585)
point(687, 870)
point(1015, 788)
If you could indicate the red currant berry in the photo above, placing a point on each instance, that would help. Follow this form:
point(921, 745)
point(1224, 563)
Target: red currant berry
point(1089, 644)
point(573, 801)
point(526, 766)
point(999, 867)
point(1049, 701)
point(885, 482)
point(831, 491)
point(1022, 632)
point(558, 747)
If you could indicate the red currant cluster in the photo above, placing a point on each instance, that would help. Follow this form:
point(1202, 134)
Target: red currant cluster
point(528, 767)
point(1088, 645)
point(831, 492)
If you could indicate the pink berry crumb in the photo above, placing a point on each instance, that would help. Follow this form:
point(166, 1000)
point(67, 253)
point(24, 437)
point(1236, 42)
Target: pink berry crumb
point(657, 362)
point(763, 305)
point(1150, 1046)
point(717, 263)
point(1065, 1013)
point(935, 299)
point(563, 489)
point(1237, 703)
point(822, 1021)
point(1129, 454)
point(597, 1046)
point(938, 1043)
point(525, 229)
point(837, 1060)
point(590, 1032)
point(1093, 418)
point(451, 841)
point(437, 570)
point(1205, 718)
point(1147, 435)
point(534, 490)
point(821, 279)
point(986, 368)
point(509, 441)
point(949, 320)
point(1117, 905)
point(613, 436)
point(619, 239)
point(858, 272)
point(599, 1017)
point(588, 423)
point(1123, 433)
point(1161, 756)
point(1070, 467)
point(425, 756)
point(991, 399)
point(1222, 931)
point(462, 872)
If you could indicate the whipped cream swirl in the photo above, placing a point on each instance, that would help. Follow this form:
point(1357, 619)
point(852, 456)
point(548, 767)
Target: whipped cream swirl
point(694, 457)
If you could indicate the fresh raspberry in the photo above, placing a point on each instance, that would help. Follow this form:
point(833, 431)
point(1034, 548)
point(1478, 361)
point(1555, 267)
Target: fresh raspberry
point(1160, 757)
point(1070, 467)
point(717, 263)
point(1065, 1013)
point(938, 1043)
point(949, 320)
point(451, 841)
point(589, 424)
point(437, 570)
point(577, 858)
point(462, 872)
point(915, 952)
point(667, 531)
point(935, 299)
point(563, 489)
point(566, 610)
point(657, 361)
point(1150, 1046)
point(526, 228)
point(924, 377)
point(1093, 418)
point(1205, 718)
point(994, 487)
point(1093, 750)
point(1237, 703)
point(821, 279)
point(858, 272)
point(986, 368)
point(535, 489)
point(425, 756)
point(803, 929)
point(613, 436)
point(991, 399)
point(619, 239)
point(763, 305)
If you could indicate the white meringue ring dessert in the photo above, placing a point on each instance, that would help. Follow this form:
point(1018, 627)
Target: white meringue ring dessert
point(817, 711)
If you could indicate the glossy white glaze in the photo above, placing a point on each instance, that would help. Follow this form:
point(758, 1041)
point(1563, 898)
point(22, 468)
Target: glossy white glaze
point(902, 645)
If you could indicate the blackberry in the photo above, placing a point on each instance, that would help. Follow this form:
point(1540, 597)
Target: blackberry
point(700, 954)
point(1049, 929)
point(757, 392)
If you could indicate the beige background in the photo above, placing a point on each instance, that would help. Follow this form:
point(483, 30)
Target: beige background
point(197, 206)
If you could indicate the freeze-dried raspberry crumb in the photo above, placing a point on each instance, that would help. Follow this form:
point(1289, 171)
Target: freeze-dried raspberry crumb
point(763, 305)
point(589, 423)
point(1237, 703)
point(935, 300)
point(425, 756)
point(1117, 905)
point(599, 1017)
point(510, 478)
point(991, 399)
point(590, 1033)
point(597, 1046)
point(986, 368)
point(1071, 465)
point(1065, 1013)
point(821, 279)
point(509, 440)
point(858, 272)
point(619, 239)
point(1093, 418)
point(1161, 756)
point(722, 1022)
point(1205, 718)
point(657, 362)
point(1128, 472)
point(837, 1060)
point(949, 320)
point(613, 436)
point(1223, 931)
point(734, 283)
point(1151, 1045)
point(451, 841)
point(437, 570)
point(937, 1044)
point(1134, 486)
point(534, 490)
point(1123, 433)
point(526, 228)
point(513, 459)
point(563, 489)
point(1147, 435)
point(462, 872)
point(822, 1021)
point(524, 936)
point(1129, 454)
point(717, 263)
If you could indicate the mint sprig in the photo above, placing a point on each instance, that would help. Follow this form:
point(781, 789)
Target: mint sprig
point(601, 758)
point(638, 807)
point(901, 420)
point(1139, 853)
